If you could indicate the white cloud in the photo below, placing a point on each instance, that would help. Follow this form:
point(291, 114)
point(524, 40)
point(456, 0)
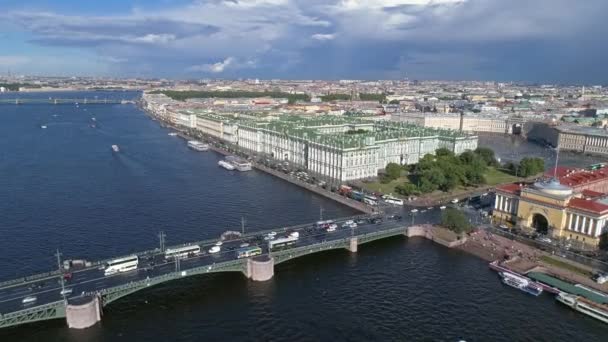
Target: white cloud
point(224, 65)
point(375, 4)
point(323, 36)
point(155, 38)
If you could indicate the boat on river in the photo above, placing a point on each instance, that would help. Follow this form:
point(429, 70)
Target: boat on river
point(226, 165)
point(521, 283)
point(585, 306)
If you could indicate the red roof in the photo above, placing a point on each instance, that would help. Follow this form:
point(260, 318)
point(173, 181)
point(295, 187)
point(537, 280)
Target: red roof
point(561, 171)
point(592, 194)
point(574, 177)
point(513, 188)
point(588, 205)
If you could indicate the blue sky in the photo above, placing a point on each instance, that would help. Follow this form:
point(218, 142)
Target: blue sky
point(521, 40)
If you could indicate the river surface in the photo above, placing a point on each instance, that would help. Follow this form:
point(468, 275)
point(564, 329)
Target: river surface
point(63, 188)
point(513, 147)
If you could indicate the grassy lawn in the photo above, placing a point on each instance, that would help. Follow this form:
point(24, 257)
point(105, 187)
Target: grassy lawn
point(564, 265)
point(494, 176)
point(385, 188)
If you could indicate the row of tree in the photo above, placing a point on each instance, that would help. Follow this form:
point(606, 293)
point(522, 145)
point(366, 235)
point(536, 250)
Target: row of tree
point(192, 94)
point(16, 86)
point(526, 167)
point(446, 171)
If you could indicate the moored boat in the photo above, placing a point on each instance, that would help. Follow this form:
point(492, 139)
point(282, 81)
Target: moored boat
point(583, 305)
point(521, 283)
point(226, 165)
point(198, 146)
point(238, 163)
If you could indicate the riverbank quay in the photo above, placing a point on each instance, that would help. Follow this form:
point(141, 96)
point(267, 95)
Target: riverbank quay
point(525, 259)
point(225, 149)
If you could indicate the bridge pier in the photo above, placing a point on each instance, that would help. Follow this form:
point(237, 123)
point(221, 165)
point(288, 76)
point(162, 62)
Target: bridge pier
point(83, 312)
point(353, 245)
point(261, 268)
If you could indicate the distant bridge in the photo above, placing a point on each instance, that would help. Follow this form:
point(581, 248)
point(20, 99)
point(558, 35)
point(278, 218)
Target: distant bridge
point(91, 289)
point(83, 101)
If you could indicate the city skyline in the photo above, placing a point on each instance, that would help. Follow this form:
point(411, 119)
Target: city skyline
point(543, 41)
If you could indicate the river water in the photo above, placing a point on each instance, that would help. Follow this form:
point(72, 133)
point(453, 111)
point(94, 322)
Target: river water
point(62, 187)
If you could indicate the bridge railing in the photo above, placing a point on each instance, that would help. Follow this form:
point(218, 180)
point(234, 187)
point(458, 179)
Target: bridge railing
point(155, 251)
point(27, 311)
point(29, 278)
point(247, 235)
point(166, 277)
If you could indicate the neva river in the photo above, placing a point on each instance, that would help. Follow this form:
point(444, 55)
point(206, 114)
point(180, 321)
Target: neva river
point(62, 187)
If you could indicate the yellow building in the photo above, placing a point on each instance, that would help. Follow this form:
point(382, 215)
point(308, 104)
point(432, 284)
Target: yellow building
point(553, 209)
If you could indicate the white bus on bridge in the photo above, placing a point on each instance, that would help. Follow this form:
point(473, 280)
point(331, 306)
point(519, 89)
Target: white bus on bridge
point(121, 265)
point(182, 252)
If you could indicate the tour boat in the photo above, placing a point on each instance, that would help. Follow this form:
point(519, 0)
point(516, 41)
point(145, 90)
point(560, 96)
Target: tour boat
point(580, 304)
point(226, 165)
point(198, 146)
point(521, 283)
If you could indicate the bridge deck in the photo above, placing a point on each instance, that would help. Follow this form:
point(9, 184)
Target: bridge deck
point(153, 269)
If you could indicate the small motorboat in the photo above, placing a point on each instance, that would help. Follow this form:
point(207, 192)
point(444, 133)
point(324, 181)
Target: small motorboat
point(115, 148)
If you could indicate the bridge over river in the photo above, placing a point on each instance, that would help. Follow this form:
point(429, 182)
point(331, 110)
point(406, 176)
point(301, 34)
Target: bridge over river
point(90, 289)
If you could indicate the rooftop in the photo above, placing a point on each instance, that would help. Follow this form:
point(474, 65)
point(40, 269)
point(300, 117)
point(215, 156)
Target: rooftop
point(574, 177)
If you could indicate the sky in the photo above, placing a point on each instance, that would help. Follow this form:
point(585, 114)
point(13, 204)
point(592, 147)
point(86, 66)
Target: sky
point(557, 41)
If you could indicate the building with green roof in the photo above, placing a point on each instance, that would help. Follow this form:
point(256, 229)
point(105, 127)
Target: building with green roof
point(334, 147)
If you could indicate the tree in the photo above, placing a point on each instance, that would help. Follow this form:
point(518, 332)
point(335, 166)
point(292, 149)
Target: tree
point(455, 221)
point(443, 152)
point(407, 189)
point(426, 186)
point(393, 102)
point(393, 171)
point(467, 157)
point(487, 154)
point(531, 166)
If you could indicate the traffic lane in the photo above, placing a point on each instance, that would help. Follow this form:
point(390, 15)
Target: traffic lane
point(100, 281)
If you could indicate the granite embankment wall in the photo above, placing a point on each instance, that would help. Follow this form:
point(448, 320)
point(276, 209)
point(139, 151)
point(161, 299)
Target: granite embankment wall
point(430, 232)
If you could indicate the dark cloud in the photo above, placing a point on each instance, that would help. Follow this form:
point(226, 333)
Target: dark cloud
point(537, 40)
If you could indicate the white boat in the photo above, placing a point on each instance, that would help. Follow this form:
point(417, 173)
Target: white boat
point(115, 148)
point(29, 300)
point(521, 283)
point(238, 163)
point(226, 165)
point(214, 249)
point(172, 134)
point(42, 126)
point(198, 146)
point(580, 304)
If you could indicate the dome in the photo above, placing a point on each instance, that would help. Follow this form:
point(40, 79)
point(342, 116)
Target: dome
point(553, 187)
